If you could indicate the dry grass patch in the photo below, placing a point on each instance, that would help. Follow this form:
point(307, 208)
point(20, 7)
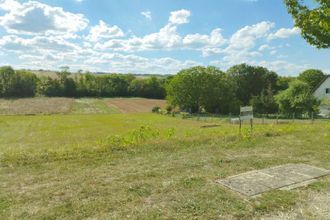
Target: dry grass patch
point(135, 105)
point(33, 106)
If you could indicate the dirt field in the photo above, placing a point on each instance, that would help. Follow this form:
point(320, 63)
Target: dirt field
point(33, 106)
point(135, 105)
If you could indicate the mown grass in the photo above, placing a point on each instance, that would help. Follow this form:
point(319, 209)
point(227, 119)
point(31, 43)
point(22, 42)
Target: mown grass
point(68, 166)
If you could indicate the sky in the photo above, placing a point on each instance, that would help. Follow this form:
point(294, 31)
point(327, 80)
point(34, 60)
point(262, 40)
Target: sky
point(153, 36)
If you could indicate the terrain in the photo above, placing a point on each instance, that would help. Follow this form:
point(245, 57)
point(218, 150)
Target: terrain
point(84, 158)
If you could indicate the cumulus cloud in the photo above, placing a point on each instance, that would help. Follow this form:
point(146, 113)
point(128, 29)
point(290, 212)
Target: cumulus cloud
point(8, 5)
point(180, 17)
point(284, 33)
point(37, 18)
point(103, 31)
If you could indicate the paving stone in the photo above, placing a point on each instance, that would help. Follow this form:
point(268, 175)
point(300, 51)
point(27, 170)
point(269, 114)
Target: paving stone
point(280, 177)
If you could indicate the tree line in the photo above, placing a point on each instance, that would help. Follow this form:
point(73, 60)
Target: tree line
point(208, 89)
point(197, 89)
point(22, 83)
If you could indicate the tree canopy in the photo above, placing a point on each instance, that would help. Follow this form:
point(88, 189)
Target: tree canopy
point(199, 88)
point(297, 99)
point(314, 23)
point(252, 81)
point(312, 77)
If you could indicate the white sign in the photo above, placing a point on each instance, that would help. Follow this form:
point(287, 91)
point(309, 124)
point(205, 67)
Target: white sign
point(246, 113)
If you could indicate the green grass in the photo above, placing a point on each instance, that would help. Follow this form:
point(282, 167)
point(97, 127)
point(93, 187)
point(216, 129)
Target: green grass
point(68, 166)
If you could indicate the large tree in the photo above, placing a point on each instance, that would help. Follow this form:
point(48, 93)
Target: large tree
point(202, 88)
point(314, 23)
point(252, 81)
point(312, 77)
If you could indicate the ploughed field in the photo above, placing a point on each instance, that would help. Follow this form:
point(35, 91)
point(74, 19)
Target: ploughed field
point(34, 106)
point(91, 162)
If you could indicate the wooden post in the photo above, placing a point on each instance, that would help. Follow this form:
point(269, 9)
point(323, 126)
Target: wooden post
point(251, 124)
point(240, 126)
point(277, 118)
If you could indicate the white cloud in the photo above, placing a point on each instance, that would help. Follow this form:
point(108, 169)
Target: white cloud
point(37, 18)
point(180, 17)
point(284, 33)
point(8, 5)
point(38, 43)
point(264, 47)
point(147, 14)
point(283, 67)
point(102, 32)
point(166, 38)
point(246, 37)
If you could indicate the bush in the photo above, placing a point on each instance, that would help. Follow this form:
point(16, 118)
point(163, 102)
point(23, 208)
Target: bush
point(156, 109)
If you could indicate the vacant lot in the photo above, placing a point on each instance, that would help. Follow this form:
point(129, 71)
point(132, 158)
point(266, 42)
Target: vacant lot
point(149, 166)
point(134, 105)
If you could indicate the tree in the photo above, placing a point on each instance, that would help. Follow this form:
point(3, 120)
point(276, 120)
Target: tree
point(312, 77)
point(202, 88)
point(7, 75)
point(24, 84)
point(314, 23)
point(297, 99)
point(252, 81)
point(49, 87)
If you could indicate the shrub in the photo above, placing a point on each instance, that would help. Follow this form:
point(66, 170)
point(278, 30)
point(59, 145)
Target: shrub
point(156, 109)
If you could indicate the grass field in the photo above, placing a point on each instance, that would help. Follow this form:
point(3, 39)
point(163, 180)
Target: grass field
point(100, 165)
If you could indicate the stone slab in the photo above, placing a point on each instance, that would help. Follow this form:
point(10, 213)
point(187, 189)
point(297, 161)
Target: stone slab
point(287, 176)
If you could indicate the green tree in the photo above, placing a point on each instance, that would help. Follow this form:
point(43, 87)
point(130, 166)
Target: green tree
point(297, 99)
point(252, 81)
point(7, 76)
point(49, 87)
point(312, 77)
point(202, 88)
point(314, 23)
point(24, 84)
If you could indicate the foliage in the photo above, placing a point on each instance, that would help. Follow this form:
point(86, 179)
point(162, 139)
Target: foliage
point(156, 109)
point(17, 84)
point(297, 99)
point(312, 77)
point(199, 87)
point(148, 88)
point(314, 23)
point(264, 104)
point(133, 138)
point(252, 81)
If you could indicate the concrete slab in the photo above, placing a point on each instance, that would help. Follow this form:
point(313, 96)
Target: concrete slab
point(284, 177)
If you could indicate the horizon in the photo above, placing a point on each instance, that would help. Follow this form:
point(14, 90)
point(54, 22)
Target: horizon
point(157, 38)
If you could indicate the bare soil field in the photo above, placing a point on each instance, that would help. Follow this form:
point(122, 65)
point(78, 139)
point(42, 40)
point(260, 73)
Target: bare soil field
point(33, 106)
point(135, 105)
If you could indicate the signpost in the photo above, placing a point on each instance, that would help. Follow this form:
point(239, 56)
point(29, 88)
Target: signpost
point(246, 113)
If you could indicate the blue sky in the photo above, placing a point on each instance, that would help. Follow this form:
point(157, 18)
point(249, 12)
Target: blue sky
point(153, 36)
